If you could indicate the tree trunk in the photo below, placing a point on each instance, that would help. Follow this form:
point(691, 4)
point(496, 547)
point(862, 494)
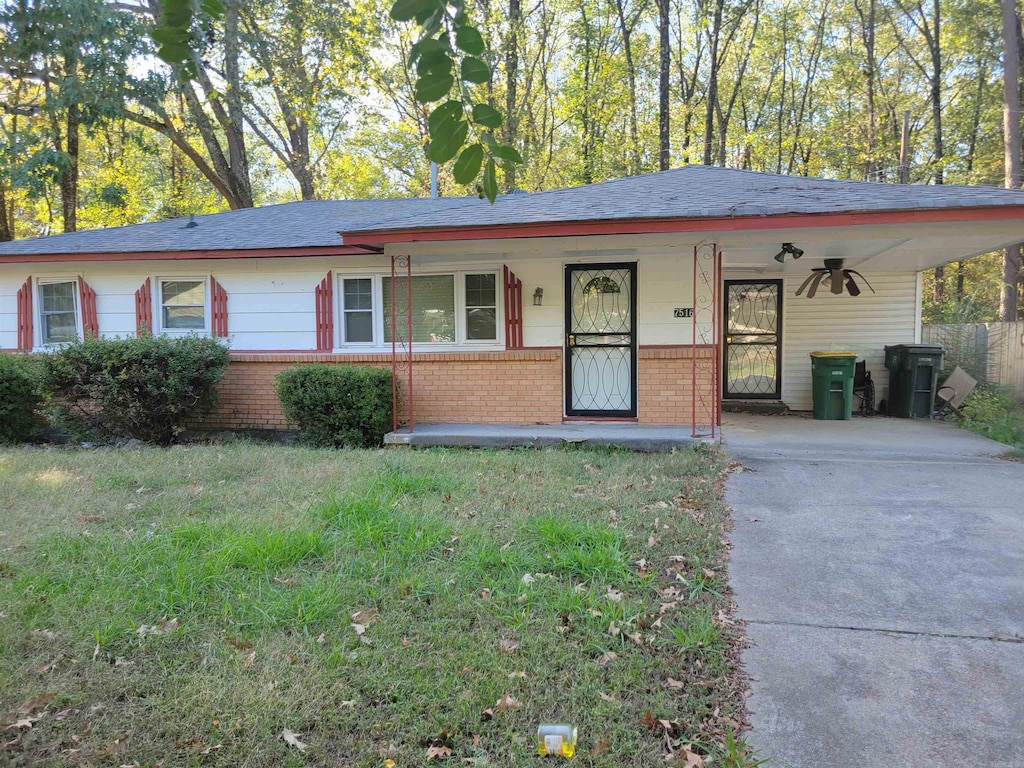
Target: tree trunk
point(234, 126)
point(712, 92)
point(665, 53)
point(69, 179)
point(1011, 146)
point(515, 16)
point(868, 36)
point(6, 219)
point(626, 29)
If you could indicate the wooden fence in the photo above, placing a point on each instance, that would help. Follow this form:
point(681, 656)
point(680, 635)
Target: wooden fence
point(991, 352)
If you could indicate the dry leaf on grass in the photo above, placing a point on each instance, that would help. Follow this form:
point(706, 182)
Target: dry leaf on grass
point(517, 673)
point(692, 759)
point(292, 740)
point(528, 579)
point(249, 660)
point(64, 713)
point(614, 594)
point(50, 666)
point(609, 699)
point(438, 752)
point(607, 658)
point(37, 703)
point(673, 683)
point(348, 703)
point(240, 645)
point(507, 645)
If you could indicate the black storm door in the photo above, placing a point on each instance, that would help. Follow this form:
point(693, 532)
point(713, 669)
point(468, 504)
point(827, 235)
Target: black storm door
point(753, 340)
point(600, 340)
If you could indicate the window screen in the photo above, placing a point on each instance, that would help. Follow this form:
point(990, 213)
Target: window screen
point(184, 305)
point(58, 312)
point(433, 308)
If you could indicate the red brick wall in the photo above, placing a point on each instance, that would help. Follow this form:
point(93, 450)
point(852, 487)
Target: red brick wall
point(514, 387)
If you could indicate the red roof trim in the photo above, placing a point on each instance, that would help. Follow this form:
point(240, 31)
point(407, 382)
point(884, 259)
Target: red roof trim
point(652, 226)
point(238, 253)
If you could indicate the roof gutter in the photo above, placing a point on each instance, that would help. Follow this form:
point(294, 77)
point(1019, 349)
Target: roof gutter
point(684, 224)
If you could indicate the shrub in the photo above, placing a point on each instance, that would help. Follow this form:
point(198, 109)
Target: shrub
point(147, 388)
point(337, 405)
point(990, 411)
point(19, 398)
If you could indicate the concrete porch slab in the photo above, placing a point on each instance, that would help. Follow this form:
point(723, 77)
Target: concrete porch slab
point(635, 437)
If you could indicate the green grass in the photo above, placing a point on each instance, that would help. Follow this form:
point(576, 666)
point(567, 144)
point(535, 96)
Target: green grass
point(991, 411)
point(199, 600)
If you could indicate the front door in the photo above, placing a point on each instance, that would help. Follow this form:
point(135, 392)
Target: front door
point(753, 338)
point(600, 340)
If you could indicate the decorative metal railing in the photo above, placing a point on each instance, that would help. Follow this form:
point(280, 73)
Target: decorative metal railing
point(706, 355)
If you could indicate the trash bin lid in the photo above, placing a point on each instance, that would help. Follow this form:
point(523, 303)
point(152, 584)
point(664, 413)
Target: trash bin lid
point(833, 354)
point(921, 349)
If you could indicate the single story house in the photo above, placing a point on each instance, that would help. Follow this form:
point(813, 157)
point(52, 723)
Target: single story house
point(651, 299)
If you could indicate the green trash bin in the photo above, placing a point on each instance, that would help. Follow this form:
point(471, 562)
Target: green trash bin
point(832, 381)
point(913, 379)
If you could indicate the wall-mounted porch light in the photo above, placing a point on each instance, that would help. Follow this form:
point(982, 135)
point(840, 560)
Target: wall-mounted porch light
point(538, 297)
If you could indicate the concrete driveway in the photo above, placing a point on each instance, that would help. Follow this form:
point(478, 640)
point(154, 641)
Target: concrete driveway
point(879, 566)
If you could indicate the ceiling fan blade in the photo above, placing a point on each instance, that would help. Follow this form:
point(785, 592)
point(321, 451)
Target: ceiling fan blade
point(805, 283)
point(815, 283)
point(837, 281)
point(858, 274)
point(851, 286)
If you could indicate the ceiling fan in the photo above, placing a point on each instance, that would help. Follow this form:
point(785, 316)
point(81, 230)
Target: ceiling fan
point(835, 277)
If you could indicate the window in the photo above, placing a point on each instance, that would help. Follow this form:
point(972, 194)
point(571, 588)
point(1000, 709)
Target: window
point(58, 311)
point(481, 307)
point(183, 305)
point(433, 308)
point(357, 310)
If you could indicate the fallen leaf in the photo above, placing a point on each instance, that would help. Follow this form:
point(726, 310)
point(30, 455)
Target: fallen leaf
point(241, 645)
point(673, 683)
point(37, 703)
point(249, 660)
point(359, 628)
point(607, 658)
point(114, 747)
point(64, 713)
point(601, 745)
point(609, 699)
point(389, 763)
point(348, 703)
point(614, 595)
point(292, 740)
point(613, 630)
point(653, 541)
point(438, 752)
point(693, 760)
point(513, 675)
point(25, 722)
point(507, 702)
point(528, 579)
point(44, 668)
point(507, 645)
point(364, 617)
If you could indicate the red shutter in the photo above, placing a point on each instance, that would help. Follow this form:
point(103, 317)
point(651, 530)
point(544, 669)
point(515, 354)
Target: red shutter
point(144, 309)
point(513, 311)
point(325, 315)
point(90, 320)
point(25, 335)
point(219, 314)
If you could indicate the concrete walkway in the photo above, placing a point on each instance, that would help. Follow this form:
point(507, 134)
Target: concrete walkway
point(879, 565)
point(635, 437)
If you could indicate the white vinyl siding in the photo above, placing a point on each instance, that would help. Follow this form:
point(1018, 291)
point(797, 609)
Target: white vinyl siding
point(865, 325)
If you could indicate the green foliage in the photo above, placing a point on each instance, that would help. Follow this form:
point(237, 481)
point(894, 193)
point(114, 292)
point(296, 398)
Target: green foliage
point(448, 43)
point(150, 388)
point(990, 411)
point(337, 405)
point(19, 398)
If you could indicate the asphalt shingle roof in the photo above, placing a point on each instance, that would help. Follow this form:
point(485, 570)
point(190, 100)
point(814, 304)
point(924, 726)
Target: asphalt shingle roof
point(313, 223)
point(698, 191)
point(694, 191)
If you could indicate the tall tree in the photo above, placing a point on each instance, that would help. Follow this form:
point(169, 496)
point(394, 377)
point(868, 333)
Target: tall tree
point(664, 85)
point(1012, 149)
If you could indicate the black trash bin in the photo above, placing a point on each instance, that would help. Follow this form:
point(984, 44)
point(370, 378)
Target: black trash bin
point(913, 379)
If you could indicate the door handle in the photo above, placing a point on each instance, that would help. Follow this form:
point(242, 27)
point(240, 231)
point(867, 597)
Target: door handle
point(728, 339)
point(572, 340)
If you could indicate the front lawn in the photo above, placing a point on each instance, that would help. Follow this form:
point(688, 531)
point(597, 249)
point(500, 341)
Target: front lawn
point(254, 605)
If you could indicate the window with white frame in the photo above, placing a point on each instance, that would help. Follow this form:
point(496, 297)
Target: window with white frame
point(482, 307)
point(182, 305)
point(58, 311)
point(357, 310)
point(447, 308)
